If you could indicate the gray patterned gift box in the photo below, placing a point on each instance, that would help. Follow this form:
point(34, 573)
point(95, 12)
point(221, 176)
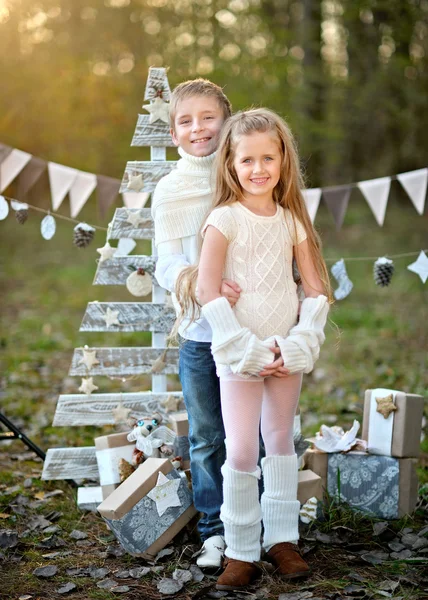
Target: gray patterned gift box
point(380, 486)
point(142, 524)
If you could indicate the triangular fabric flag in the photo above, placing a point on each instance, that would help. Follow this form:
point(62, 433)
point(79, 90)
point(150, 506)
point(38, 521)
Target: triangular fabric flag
point(415, 184)
point(135, 199)
point(337, 198)
point(82, 188)
point(107, 190)
point(4, 152)
point(420, 267)
point(11, 166)
point(376, 192)
point(312, 199)
point(30, 174)
point(61, 179)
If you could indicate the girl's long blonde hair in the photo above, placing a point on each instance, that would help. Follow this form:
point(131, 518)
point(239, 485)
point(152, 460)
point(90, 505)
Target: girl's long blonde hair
point(287, 193)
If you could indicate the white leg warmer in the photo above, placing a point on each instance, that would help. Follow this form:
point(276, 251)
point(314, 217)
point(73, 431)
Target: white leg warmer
point(241, 514)
point(279, 504)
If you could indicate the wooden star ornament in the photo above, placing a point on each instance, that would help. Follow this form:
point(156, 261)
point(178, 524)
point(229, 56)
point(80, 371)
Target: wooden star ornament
point(120, 413)
point(87, 386)
point(158, 109)
point(171, 403)
point(110, 317)
point(135, 219)
point(89, 358)
point(135, 183)
point(385, 406)
point(106, 252)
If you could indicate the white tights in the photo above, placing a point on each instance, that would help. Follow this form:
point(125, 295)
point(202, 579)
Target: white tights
point(249, 403)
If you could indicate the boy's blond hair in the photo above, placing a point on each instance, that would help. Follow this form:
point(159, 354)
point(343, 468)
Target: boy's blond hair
point(198, 87)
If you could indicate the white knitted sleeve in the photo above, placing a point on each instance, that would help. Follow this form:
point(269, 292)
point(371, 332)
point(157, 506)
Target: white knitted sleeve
point(295, 228)
point(223, 220)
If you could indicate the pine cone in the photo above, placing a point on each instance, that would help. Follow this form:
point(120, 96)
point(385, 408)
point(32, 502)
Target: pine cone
point(383, 271)
point(21, 216)
point(83, 235)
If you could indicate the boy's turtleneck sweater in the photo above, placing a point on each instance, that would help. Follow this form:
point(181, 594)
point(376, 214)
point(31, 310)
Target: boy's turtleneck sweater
point(183, 198)
point(180, 204)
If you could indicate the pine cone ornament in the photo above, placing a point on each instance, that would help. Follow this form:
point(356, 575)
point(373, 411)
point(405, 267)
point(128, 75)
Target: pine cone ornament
point(383, 271)
point(83, 235)
point(21, 216)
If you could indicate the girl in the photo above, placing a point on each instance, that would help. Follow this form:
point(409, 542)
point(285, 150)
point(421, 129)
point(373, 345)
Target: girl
point(258, 224)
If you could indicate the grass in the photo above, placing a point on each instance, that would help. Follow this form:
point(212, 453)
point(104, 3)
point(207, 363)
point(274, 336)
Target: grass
point(44, 291)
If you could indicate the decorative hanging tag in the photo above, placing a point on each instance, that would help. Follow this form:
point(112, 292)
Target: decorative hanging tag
point(4, 208)
point(48, 227)
point(139, 283)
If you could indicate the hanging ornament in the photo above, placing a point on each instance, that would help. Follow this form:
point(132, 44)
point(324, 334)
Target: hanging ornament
point(159, 364)
point(158, 109)
point(383, 270)
point(87, 386)
point(136, 219)
point(420, 267)
point(21, 211)
point(89, 358)
point(338, 270)
point(308, 512)
point(135, 183)
point(83, 235)
point(111, 317)
point(48, 227)
point(139, 283)
point(4, 208)
point(125, 469)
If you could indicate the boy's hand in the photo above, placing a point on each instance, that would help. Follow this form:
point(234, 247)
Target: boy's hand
point(275, 369)
point(230, 290)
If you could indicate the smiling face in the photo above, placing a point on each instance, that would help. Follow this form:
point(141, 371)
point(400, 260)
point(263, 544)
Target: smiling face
point(197, 125)
point(257, 162)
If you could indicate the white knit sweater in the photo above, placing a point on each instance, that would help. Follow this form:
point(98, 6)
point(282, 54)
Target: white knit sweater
point(180, 203)
point(259, 259)
point(183, 198)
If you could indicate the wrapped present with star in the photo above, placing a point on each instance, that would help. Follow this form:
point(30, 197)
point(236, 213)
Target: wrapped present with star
point(149, 508)
point(392, 422)
point(380, 486)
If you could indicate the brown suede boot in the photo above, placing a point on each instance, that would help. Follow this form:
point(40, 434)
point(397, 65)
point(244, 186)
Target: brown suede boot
point(237, 574)
point(288, 561)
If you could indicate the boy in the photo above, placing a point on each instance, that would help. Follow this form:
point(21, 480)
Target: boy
point(198, 109)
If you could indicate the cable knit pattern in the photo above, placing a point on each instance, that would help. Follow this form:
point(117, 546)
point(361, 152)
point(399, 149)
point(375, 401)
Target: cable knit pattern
point(259, 260)
point(183, 198)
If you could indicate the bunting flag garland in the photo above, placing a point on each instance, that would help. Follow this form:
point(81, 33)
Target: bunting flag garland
point(337, 199)
point(415, 184)
point(107, 191)
point(30, 175)
point(135, 199)
point(376, 192)
point(312, 199)
point(82, 188)
point(11, 166)
point(61, 179)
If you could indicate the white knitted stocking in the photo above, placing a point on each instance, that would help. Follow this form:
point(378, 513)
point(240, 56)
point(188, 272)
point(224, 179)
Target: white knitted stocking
point(279, 504)
point(240, 513)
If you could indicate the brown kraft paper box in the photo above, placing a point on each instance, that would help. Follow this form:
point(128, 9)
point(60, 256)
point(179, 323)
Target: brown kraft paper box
point(179, 423)
point(109, 450)
point(309, 486)
point(317, 461)
point(406, 431)
point(133, 517)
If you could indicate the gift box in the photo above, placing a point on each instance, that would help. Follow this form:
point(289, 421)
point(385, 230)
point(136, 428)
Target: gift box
point(381, 486)
point(309, 486)
point(149, 508)
point(180, 424)
point(392, 422)
point(109, 450)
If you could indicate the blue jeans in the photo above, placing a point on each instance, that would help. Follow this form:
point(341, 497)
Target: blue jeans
point(201, 391)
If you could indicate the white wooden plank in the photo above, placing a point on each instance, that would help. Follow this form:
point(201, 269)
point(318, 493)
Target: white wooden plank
point(70, 463)
point(151, 171)
point(121, 228)
point(116, 270)
point(133, 316)
point(156, 80)
point(79, 409)
point(88, 498)
point(122, 362)
point(159, 382)
point(158, 153)
point(151, 134)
